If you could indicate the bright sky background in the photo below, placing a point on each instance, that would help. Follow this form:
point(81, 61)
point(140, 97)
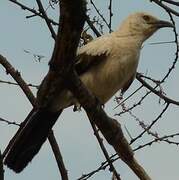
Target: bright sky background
point(79, 147)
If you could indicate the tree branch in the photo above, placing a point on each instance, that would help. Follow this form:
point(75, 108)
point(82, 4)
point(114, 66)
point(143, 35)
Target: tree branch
point(158, 93)
point(58, 156)
point(9, 122)
point(32, 11)
point(100, 141)
point(171, 2)
point(1, 167)
point(47, 20)
point(16, 84)
point(93, 28)
point(167, 8)
point(17, 77)
point(61, 69)
point(153, 122)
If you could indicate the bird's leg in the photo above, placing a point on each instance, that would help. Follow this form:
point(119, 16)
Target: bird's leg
point(102, 105)
point(98, 102)
point(119, 97)
point(76, 107)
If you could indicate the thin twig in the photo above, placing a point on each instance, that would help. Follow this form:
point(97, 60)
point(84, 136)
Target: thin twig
point(48, 22)
point(58, 156)
point(103, 166)
point(93, 28)
point(177, 48)
point(124, 100)
point(110, 16)
point(159, 139)
point(100, 141)
point(98, 12)
point(167, 74)
point(113, 157)
point(9, 122)
point(1, 167)
point(167, 8)
point(32, 11)
point(61, 67)
point(16, 84)
point(158, 93)
point(17, 77)
point(149, 127)
point(171, 2)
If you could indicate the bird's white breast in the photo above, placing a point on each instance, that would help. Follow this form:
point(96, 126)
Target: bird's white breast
point(106, 79)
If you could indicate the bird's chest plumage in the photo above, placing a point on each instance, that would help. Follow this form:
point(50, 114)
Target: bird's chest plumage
point(111, 75)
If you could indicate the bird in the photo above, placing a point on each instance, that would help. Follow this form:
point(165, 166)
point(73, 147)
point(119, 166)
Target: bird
point(105, 65)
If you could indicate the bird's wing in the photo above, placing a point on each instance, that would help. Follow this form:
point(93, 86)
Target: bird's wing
point(93, 54)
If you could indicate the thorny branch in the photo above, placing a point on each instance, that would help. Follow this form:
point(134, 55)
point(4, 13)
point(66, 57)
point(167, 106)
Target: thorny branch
point(17, 77)
point(144, 83)
point(61, 68)
point(110, 15)
point(159, 139)
point(152, 123)
point(158, 93)
point(114, 157)
point(47, 20)
point(58, 156)
point(33, 11)
point(9, 122)
point(103, 166)
point(177, 48)
point(1, 167)
point(51, 139)
point(147, 129)
point(100, 141)
point(167, 8)
point(166, 99)
point(102, 17)
point(93, 28)
point(42, 11)
point(28, 93)
point(171, 2)
point(152, 89)
point(16, 84)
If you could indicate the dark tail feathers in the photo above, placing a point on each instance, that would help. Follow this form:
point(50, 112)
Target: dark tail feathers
point(29, 138)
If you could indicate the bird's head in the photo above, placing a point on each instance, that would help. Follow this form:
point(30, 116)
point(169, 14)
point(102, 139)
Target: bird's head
point(143, 24)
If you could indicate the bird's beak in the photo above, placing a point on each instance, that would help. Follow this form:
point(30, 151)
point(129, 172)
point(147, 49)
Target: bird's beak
point(161, 24)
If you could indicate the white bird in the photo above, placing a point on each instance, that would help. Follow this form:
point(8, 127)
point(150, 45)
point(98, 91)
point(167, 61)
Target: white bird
point(105, 65)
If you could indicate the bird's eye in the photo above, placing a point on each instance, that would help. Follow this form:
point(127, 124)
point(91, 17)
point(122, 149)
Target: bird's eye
point(146, 18)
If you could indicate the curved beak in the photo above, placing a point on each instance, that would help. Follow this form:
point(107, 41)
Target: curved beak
point(161, 24)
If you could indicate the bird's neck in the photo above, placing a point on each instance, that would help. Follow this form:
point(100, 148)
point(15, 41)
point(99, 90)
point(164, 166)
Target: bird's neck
point(129, 37)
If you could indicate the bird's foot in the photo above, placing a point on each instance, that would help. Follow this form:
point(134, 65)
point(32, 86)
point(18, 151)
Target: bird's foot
point(98, 102)
point(77, 107)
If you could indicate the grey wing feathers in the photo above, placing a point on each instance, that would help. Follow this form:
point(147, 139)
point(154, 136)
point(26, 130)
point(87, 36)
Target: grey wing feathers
point(85, 62)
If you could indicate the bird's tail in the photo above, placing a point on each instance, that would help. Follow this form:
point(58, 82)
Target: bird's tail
point(29, 138)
